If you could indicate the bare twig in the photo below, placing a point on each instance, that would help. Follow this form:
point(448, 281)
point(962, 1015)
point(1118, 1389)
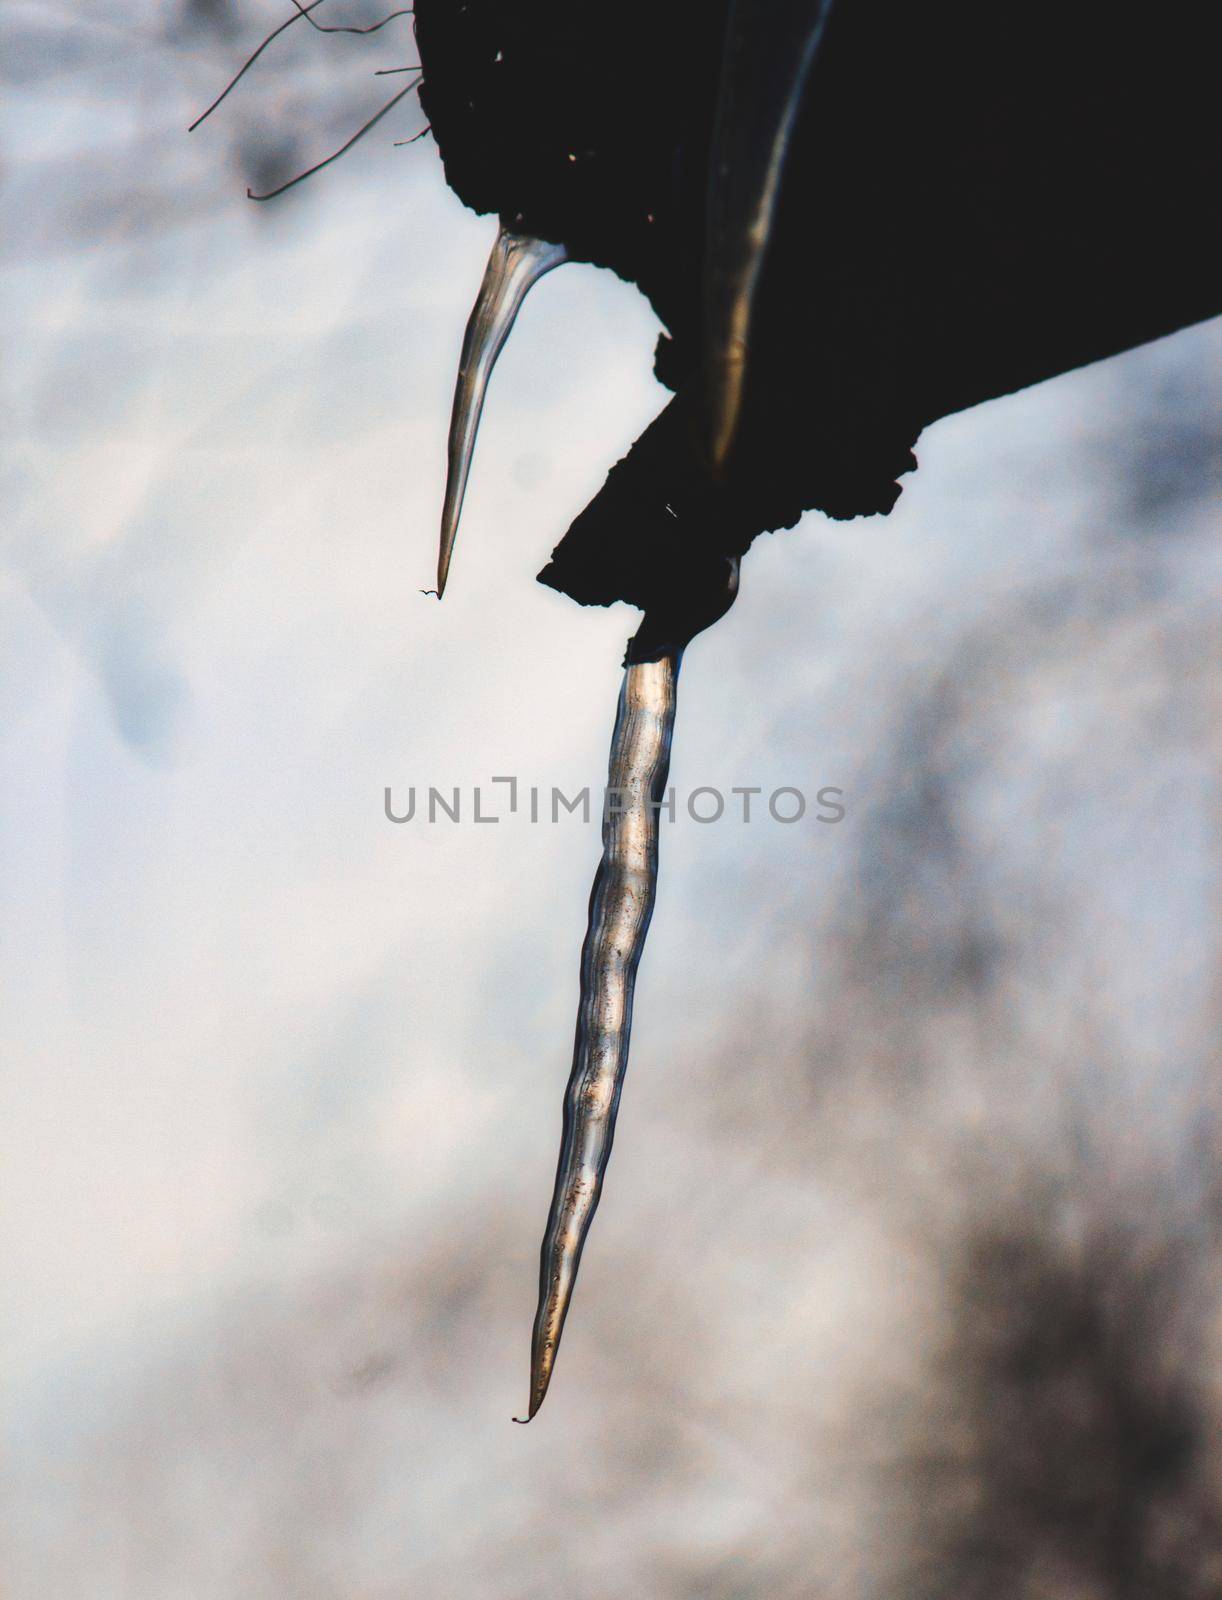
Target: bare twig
point(302, 11)
point(337, 27)
point(343, 149)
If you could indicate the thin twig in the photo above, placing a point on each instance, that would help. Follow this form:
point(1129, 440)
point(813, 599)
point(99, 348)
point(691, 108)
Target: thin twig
point(399, 143)
point(343, 149)
point(302, 11)
point(387, 72)
point(337, 27)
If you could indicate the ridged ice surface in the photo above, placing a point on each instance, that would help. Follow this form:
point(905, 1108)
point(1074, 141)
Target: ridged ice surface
point(621, 905)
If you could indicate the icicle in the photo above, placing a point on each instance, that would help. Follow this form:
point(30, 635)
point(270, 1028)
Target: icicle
point(517, 263)
point(770, 47)
point(621, 905)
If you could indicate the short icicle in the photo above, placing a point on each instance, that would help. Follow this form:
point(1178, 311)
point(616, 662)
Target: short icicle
point(517, 263)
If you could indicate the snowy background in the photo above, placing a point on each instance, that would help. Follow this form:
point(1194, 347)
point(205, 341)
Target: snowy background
point(282, 1080)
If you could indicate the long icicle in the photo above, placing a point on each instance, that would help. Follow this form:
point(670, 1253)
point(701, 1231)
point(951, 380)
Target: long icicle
point(621, 905)
point(516, 263)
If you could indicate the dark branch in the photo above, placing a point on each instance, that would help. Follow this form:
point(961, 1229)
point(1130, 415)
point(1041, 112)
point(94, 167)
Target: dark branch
point(399, 143)
point(343, 149)
point(302, 11)
point(337, 27)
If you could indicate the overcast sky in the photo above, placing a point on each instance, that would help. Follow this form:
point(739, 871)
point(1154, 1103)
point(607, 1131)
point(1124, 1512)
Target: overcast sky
point(260, 1043)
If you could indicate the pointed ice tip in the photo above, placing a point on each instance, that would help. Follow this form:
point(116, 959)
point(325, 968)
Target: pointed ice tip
point(536, 1400)
point(538, 1391)
point(540, 1378)
point(515, 264)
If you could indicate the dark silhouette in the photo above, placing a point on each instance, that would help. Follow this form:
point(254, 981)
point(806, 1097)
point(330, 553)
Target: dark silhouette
point(972, 198)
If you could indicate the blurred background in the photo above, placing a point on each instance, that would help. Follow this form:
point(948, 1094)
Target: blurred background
point(906, 1279)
